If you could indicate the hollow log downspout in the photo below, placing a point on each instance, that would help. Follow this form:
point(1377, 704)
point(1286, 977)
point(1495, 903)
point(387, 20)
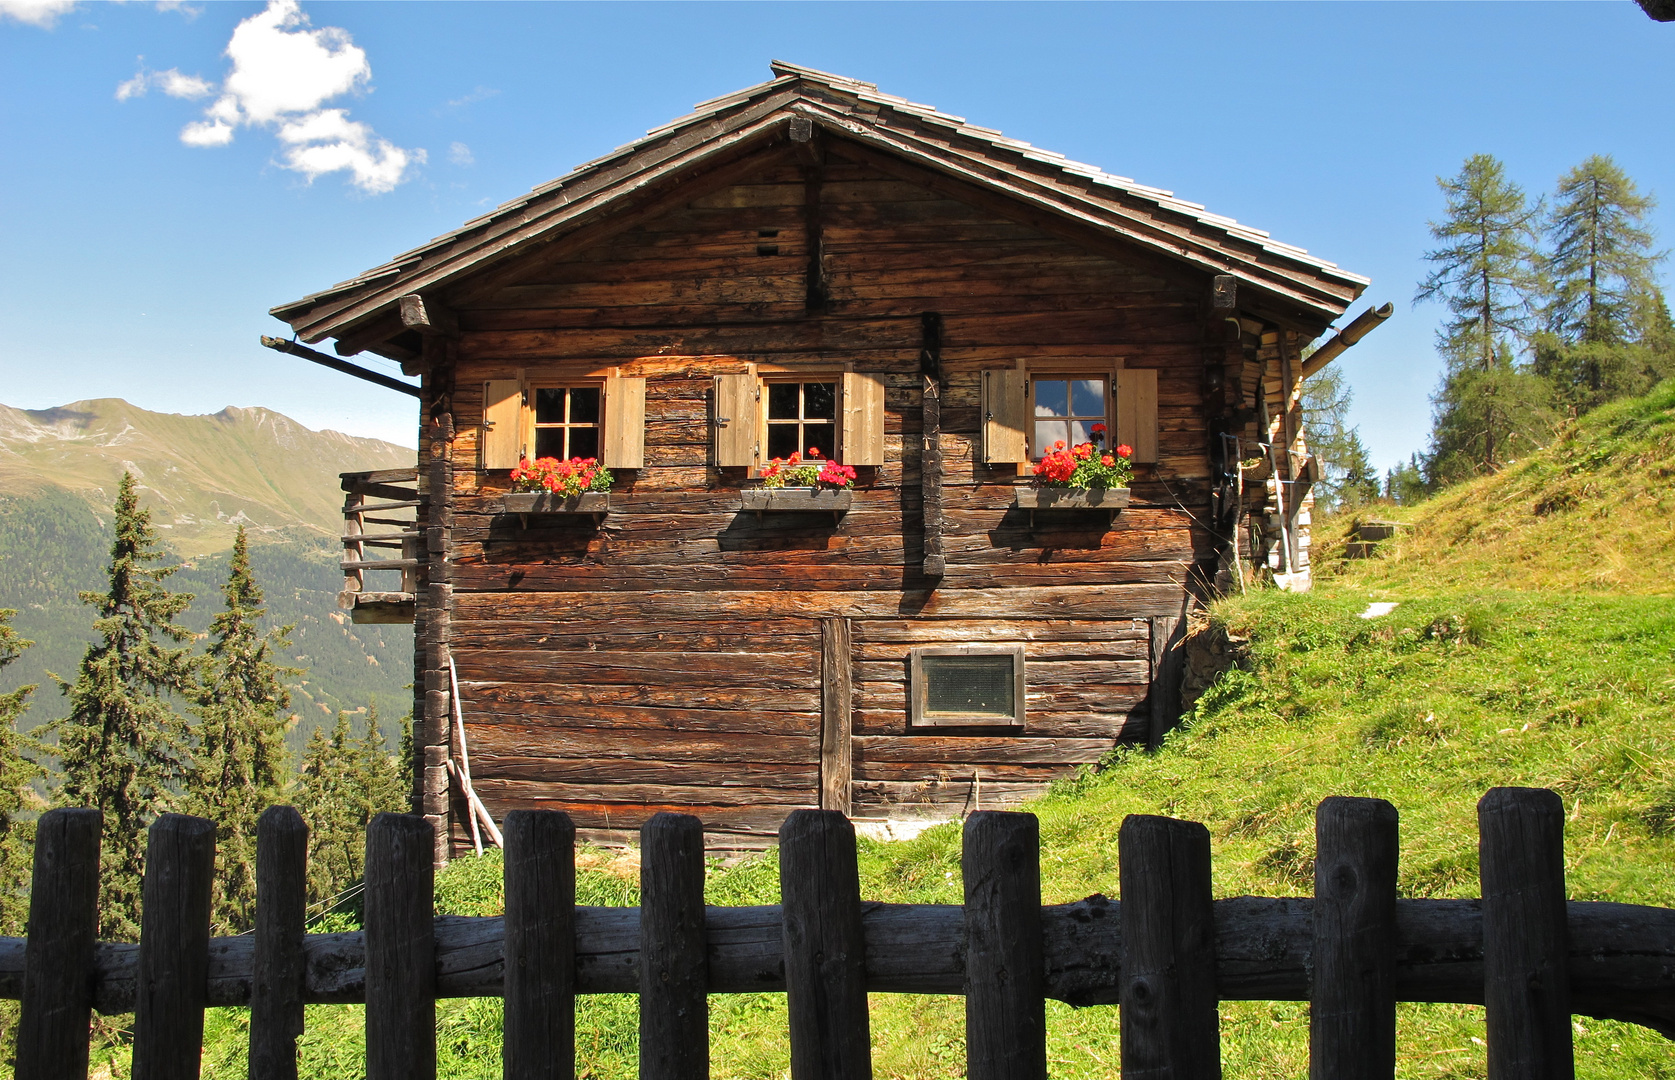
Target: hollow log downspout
point(1362, 325)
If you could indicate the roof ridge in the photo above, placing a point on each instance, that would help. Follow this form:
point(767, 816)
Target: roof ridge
point(782, 67)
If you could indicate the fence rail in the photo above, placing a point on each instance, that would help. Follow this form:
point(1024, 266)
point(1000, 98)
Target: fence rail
point(1167, 953)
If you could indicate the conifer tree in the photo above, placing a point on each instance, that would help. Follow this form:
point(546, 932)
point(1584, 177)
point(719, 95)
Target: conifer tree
point(1346, 473)
point(1488, 408)
point(344, 783)
point(121, 749)
point(238, 768)
point(17, 773)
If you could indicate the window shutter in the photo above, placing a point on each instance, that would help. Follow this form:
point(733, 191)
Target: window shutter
point(502, 440)
point(735, 420)
point(862, 442)
point(1005, 416)
point(1137, 411)
point(625, 424)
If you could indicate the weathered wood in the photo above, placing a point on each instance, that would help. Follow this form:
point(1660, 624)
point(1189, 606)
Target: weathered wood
point(1170, 1028)
point(540, 946)
point(400, 948)
point(58, 971)
point(1168, 663)
point(169, 995)
point(825, 950)
point(674, 968)
point(1005, 1005)
point(277, 975)
point(1526, 970)
point(1352, 1012)
point(837, 753)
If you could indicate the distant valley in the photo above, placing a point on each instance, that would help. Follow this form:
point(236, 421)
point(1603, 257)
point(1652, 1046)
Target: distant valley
point(202, 477)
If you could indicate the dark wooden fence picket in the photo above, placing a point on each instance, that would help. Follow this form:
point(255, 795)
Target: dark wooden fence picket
point(1166, 953)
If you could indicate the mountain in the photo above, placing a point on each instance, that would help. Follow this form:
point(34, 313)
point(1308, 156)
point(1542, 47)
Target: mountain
point(202, 476)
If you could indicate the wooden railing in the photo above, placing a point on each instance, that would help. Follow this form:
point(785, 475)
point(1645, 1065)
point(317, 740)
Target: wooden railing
point(1167, 953)
point(387, 501)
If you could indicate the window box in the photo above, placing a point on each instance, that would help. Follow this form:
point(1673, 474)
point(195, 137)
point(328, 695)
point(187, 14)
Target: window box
point(595, 504)
point(834, 501)
point(966, 686)
point(1050, 498)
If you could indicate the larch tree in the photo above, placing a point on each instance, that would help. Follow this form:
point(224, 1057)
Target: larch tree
point(1488, 408)
point(122, 747)
point(1601, 338)
point(18, 773)
point(238, 768)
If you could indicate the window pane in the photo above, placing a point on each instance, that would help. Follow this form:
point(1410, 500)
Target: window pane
point(1087, 397)
point(968, 686)
point(584, 442)
point(820, 400)
point(782, 401)
point(584, 405)
point(1047, 432)
point(549, 405)
point(1052, 397)
point(1080, 432)
point(819, 437)
point(782, 440)
point(549, 442)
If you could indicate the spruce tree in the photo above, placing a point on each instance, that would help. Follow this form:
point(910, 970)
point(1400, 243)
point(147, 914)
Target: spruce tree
point(1488, 408)
point(344, 783)
point(18, 772)
point(238, 768)
point(121, 749)
point(1346, 473)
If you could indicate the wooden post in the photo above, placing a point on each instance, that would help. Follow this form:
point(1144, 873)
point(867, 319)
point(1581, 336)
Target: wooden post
point(1526, 971)
point(825, 953)
point(837, 755)
point(1170, 1028)
point(173, 977)
point(1005, 974)
point(1168, 659)
point(539, 1041)
point(278, 966)
point(58, 953)
point(1352, 1015)
point(935, 563)
point(400, 949)
point(674, 970)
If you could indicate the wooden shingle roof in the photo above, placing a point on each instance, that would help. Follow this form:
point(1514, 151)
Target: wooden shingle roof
point(1291, 282)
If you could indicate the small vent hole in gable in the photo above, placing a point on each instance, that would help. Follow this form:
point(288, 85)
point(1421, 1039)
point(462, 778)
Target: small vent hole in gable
point(767, 249)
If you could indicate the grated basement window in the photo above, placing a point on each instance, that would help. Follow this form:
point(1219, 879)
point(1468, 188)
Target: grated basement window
point(967, 686)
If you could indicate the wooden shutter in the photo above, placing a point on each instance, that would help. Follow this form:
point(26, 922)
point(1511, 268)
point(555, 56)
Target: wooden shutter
point(625, 424)
point(862, 442)
point(735, 420)
point(1137, 411)
point(1005, 416)
point(502, 440)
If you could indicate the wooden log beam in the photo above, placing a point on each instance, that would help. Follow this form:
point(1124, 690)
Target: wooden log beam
point(1620, 955)
point(294, 349)
point(428, 317)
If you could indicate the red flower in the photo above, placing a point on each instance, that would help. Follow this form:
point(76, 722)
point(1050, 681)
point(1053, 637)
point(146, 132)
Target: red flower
point(814, 451)
point(1059, 445)
point(1098, 429)
point(1107, 461)
point(1125, 450)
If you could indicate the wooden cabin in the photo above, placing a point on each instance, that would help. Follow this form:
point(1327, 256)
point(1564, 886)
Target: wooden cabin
point(810, 262)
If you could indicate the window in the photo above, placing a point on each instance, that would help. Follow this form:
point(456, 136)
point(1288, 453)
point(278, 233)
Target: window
point(1066, 408)
point(801, 416)
point(566, 421)
point(967, 686)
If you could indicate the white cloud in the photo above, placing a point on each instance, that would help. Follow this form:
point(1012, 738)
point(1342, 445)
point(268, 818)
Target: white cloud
point(284, 72)
point(482, 93)
point(42, 13)
point(460, 154)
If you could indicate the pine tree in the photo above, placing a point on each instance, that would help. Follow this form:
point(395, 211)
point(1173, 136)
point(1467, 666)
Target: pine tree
point(1486, 276)
point(344, 783)
point(1346, 473)
point(239, 765)
point(18, 772)
point(121, 749)
point(1602, 337)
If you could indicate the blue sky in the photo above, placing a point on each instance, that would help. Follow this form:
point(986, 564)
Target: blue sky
point(138, 263)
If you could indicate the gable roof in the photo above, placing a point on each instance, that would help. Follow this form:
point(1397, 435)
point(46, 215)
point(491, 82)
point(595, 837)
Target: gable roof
point(1292, 283)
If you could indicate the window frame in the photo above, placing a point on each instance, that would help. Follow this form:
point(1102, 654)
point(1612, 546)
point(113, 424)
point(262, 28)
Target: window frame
point(1107, 376)
point(532, 428)
point(919, 715)
point(766, 380)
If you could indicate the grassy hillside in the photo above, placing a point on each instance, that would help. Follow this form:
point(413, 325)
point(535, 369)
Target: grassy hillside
point(1463, 687)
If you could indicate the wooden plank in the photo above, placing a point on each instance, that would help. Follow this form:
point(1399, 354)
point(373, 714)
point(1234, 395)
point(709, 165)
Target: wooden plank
point(173, 971)
point(58, 957)
point(502, 440)
point(540, 952)
point(862, 439)
point(774, 670)
point(837, 754)
point(735, 420)
point(867, 631)
point(1005, 985)
point(1137, 412)
point(968, 749)
point(1352, 992)
point(1005, 410)
point(625, 423)
point(825, 950)
point(276, 986)
point(1170, 1027)
point(674, 971)
point(1526, 970)
point(1040, 673)
point(400, 949)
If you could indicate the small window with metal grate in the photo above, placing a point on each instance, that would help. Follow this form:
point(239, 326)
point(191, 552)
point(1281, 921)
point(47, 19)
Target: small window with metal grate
point(967, 686)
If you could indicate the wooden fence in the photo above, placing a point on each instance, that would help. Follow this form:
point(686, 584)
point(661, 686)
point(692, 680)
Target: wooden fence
point(1167, 953)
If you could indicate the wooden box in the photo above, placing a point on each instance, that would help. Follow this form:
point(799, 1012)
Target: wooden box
point(1051, 498)
point(834, 501)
